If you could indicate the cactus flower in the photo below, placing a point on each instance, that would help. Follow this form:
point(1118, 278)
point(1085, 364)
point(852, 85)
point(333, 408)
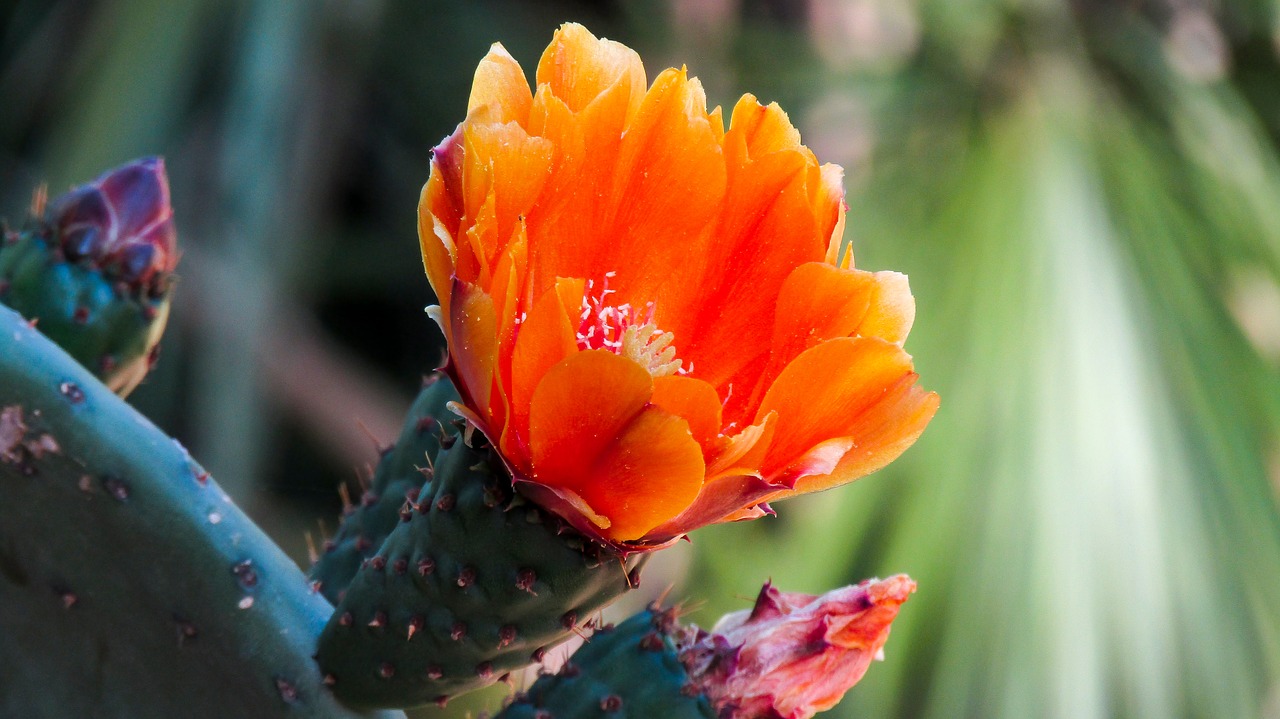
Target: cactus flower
point(121, 222)
point(650, 315)
point(793, 655)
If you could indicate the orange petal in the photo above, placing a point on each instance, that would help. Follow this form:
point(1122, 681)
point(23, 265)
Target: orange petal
point(819, 302)
point(578, 408)
point(830, 390)
point(880, 435)
point(694, 400)
point(578, 67)
point(762, 128)
point(474, 345)
point(506, 169)
point(593, 433)
point(667, 189)
point(767, 228)
point(544, 338)
point(892, 311)
point(500, 93)
point(650, 473)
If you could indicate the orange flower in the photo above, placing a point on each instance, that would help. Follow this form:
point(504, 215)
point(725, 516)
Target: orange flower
point(646, 312)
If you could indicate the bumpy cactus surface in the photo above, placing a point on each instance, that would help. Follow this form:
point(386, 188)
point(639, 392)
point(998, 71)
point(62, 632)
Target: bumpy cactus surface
point(473, 583)
point(127, 576)
point(94, 270)
point(631, 671)
point(397, 479)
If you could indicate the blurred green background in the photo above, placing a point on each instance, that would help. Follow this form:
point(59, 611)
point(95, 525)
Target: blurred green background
point(1085, 194)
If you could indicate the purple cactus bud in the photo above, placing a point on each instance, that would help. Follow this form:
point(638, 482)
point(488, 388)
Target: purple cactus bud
point(121, 222)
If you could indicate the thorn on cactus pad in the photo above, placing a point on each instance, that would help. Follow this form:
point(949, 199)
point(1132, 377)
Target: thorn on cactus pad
point(378, 563)
point(386, 670)
point(116, 488)
point(72, 392)
point(288, 692)
point(525, 579)
point(400, 566)
point(539, 655)
point(569, 620)
point(379, 619)
point(611, 703)
point(80, 315)
point(107, 364)
point(458, 632)
point(484, 670)
point(467, 577)
point(434, 672)
point(245, 574)
point(445, 503)
point(69, 598)
point(506, 635)
point(329, 680)
point(426, 566)
point(346, 619)
point(442, 700)
point(416, 622)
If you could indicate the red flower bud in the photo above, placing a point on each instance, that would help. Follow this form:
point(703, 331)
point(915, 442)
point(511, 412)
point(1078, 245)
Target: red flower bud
point(121, 222)
point(793, 655)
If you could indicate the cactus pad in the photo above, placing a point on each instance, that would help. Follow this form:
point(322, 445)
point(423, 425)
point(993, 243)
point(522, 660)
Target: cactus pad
point(473, 583)
point(367, 522)
point(131, 586)
point(631, 671)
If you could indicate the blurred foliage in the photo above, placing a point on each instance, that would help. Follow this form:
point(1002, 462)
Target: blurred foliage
point(1086, 196)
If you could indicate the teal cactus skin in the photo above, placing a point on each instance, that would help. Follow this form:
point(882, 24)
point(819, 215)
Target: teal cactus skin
point(473, 584)
point(95, 271)
point(399, 475)
point(631, 671)
point(131, 586)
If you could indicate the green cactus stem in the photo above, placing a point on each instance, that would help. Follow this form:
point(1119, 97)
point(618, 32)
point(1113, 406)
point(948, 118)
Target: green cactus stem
point(94, 270)
point(367, 522)
point(631, 671)
point(131, 585)
point(473, 583)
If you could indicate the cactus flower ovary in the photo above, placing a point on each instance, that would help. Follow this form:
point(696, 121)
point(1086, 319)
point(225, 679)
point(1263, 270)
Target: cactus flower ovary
point(647, 312)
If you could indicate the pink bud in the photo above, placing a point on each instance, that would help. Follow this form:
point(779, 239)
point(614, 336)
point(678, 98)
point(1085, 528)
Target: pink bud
point(121, 222)
point(793, 655)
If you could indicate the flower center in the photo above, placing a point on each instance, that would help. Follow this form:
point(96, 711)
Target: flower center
point(626, 330)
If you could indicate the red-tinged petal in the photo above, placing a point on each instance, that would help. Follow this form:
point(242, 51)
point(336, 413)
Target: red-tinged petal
point(578, 67)
point(545, 338)
point(592, 432)
point(793, 655)
point(720, 499)
point(852, 376)
point(694, 400)
point(442, 195)
point(499, 93)
point(474, 344)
